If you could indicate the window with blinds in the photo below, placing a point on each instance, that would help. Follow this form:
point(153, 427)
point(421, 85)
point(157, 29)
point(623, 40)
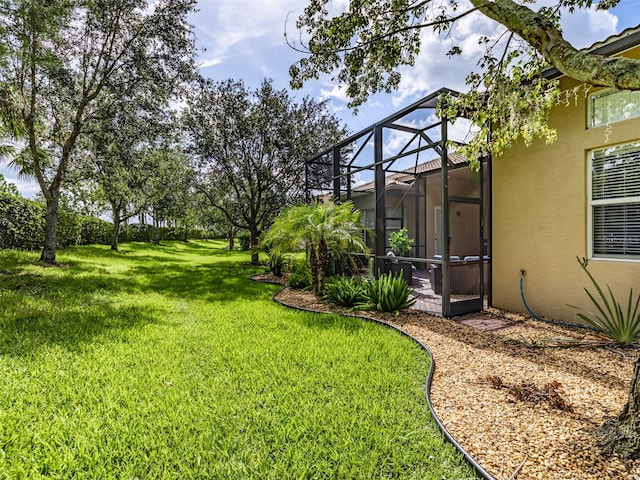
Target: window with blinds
point(615, 202)
point(613, 106)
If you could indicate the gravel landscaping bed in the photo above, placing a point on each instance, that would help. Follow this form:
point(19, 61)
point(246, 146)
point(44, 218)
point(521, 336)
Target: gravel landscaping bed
point(518, 399)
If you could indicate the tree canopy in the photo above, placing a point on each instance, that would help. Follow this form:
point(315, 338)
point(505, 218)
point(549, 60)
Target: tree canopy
point(8, 188)
point(364, 45)
point(251, 148)
point(63, 56)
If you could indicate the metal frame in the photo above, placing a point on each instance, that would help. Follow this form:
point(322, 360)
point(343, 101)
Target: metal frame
point(349, 158)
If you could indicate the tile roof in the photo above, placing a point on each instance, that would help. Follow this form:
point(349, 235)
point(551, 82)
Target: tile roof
point(407, 176)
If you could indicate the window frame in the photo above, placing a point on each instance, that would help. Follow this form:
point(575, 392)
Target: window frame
point(591, 203)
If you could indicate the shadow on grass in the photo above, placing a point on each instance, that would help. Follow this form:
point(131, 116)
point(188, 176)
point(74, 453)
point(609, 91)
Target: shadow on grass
point(225, 281)
point(44, 323)
point(83, 302)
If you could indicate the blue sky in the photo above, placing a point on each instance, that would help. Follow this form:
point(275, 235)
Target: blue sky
point(244, 39)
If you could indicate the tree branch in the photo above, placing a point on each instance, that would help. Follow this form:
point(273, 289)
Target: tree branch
point(539, 32)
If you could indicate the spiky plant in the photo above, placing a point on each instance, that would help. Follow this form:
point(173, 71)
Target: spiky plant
point(623, 326)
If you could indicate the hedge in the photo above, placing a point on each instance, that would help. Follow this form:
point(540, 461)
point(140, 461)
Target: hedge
point(21, 223)
point(138, 232)
point(22, 226)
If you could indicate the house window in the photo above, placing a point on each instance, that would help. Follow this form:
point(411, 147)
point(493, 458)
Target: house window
point(613, 106)
point(615, 202)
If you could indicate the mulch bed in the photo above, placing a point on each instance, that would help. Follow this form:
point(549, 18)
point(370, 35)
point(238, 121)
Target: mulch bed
point(523, 399)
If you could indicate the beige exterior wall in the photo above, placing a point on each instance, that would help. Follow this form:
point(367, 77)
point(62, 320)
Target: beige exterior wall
point(540, 211)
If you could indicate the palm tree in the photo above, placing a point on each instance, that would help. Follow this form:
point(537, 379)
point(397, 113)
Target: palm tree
point(318, 228)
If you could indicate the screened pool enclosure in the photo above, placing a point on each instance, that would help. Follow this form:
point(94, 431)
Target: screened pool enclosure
point(400, 173)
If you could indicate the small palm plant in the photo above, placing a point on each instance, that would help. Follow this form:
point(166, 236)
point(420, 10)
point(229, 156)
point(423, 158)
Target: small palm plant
point(317, 229)
point(623, 326)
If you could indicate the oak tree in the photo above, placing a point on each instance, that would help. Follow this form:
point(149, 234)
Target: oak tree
point(251, 147)
point(64, 56)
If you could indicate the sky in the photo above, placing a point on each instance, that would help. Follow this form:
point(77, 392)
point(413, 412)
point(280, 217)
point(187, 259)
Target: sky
point(244, 39)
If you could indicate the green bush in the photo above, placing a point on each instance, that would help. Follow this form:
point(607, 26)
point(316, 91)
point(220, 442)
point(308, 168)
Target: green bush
point(139, 232)
point(136, 232)
point(344, 291)
point(22, 226)
point(69, 232)
point(299, 277)
point(21, 223)
point(95, 231)
point(623, 326)
point(400, 242)
point(387, 293)
point(245, 241)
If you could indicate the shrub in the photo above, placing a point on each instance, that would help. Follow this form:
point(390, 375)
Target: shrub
point(621, 326)
point(136, 232)
point(345, 291)
point(95, 231)
point(69, 232)
point(245, 241)
point(387, 293)
point(299, 277)
point(400, 242)
point(21, 223)
point(22, 226)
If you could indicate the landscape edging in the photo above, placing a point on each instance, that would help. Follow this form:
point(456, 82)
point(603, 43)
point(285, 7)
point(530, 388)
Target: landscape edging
point(432, 366)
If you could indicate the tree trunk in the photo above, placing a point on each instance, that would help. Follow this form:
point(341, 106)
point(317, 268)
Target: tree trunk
point(255, 236)
point(48, 254)
point(314, 269)
point(156, 233)
point(323, 255)
point(116, 227)
point(232, 238)
point(621, 435)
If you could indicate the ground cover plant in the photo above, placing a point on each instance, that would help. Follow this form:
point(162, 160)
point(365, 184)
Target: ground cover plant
point(166, 361)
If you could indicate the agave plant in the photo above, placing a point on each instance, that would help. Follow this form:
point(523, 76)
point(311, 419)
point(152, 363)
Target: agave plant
point(388, 293)
point(344, 291)
point(623, 326)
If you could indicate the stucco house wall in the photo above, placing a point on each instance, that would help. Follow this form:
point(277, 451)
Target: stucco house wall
point(540, 217)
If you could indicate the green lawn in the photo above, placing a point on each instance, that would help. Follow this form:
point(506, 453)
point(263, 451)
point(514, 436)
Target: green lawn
point(168, 362)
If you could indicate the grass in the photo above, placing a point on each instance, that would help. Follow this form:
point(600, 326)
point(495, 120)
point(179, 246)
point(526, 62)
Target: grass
point(167, 362)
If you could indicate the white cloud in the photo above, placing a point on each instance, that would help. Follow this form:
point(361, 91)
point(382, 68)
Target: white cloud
point(212, 62)
point(243, 29)
point(334, 92)
point(585, 27)
point(434, 69)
